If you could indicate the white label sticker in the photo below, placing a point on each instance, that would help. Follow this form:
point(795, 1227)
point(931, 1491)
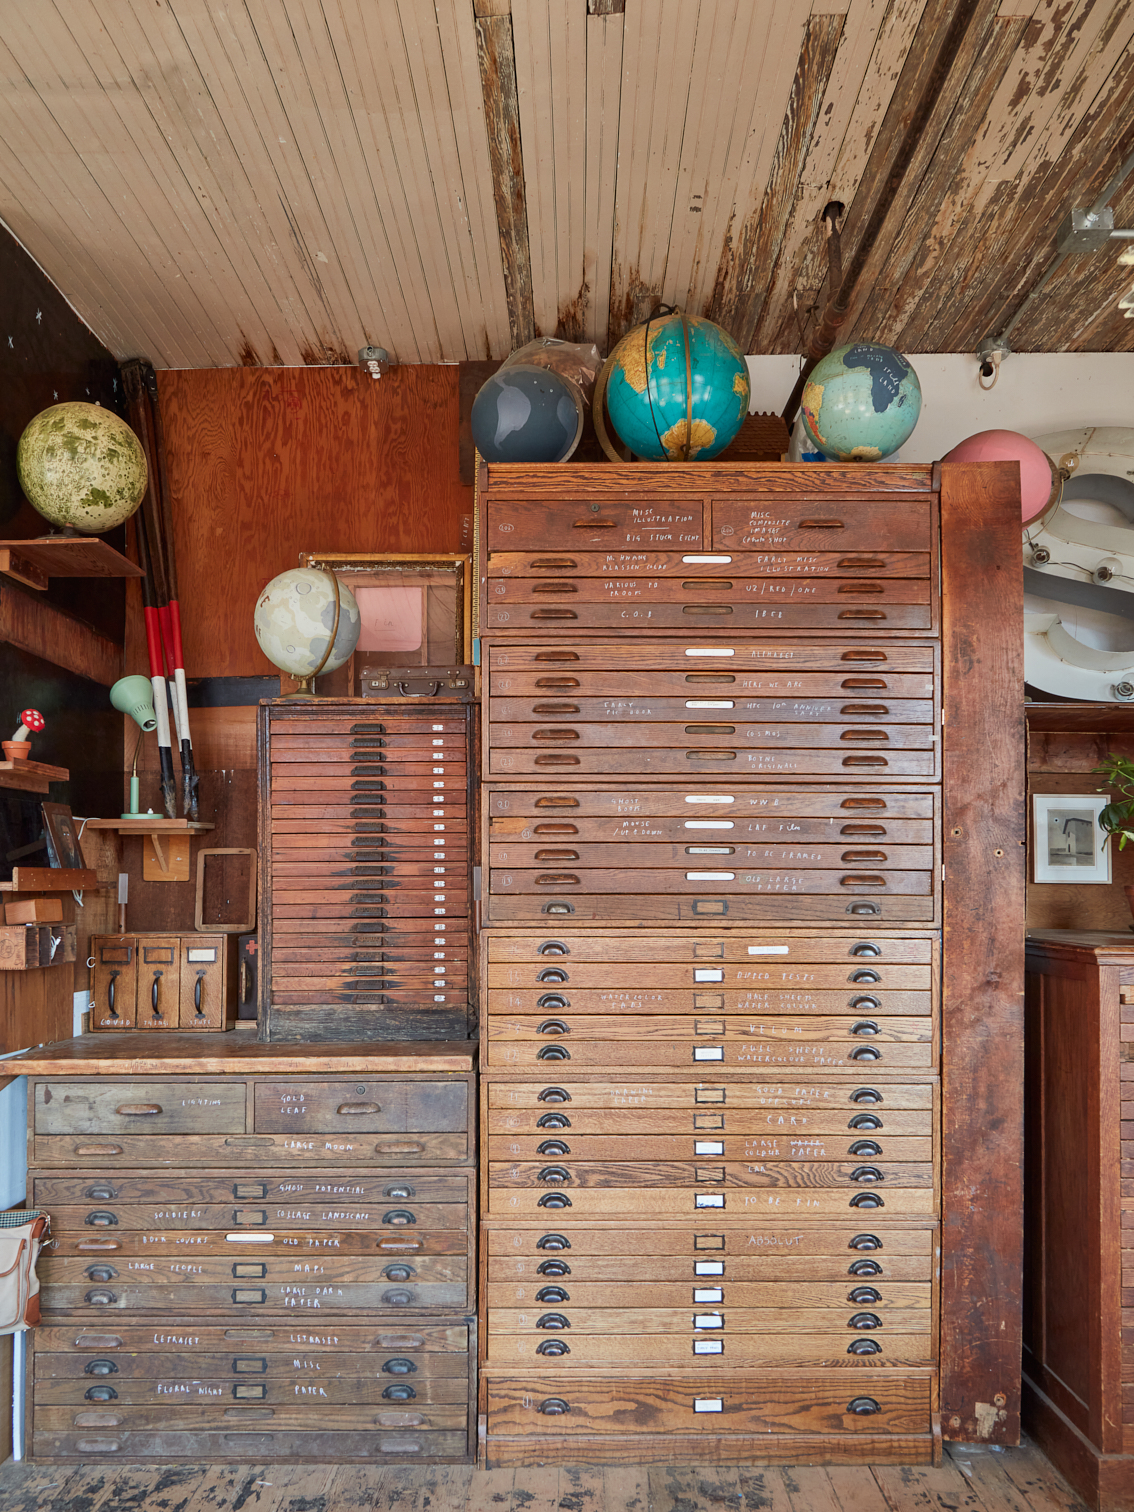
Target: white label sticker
point(250, 1238)
point(708, 1294)
point(708, 1404)
point(708, 1200)
point(199, 953)
point(709, 703)
point(708, 651)
point(768, 949)
point(701, 558)
point(708, 1267)
point(708, 1052)
point(708, 974)
point(708, 1346)
point(708, 823)
point(708, 798)
point(710, 876)
point(708, 1147)
point(708, 1320)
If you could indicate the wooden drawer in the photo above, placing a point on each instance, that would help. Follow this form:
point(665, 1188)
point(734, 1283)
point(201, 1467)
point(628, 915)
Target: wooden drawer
point(264, 1444)
point(570, 1174)
point(741, 1449)
point(768, 1056)
point(546, 998)
point(556, 1019)
point(827, 1250)
point(773, 1136)
point(751, 957)
point(358, 1192)
point(360, 1107)
point(755, 666)
point(138, 1107)
point(709, 1199)
point(883, 1298)
point(508, 1271)
point(818, 1404)
point(193, 1150)
point(545, 1145)
point(139, 1379)
point(287, 1351)
point(241, 1298)
point(890, 910)
point(222, 1406)
point(713, 1104)
point(544, 566)
point(653, 859)
point(660, 1350)
point(810, 521)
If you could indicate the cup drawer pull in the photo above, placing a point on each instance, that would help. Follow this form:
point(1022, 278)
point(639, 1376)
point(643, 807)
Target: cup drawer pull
point(863, 1407)
point(864, 1347)
point(101, 1298)
point(553, 1053)
point(864, 857)
point(100, 1218)
point(861, 735)
point(139, 1110)
point(554, 1200)
point(357, 1110)
point(558, 733)
point(554, 588)
point(862, 879)
point(553, 1320)
point(821, 524)
point(557, 879)
point(553, 1026)
point(553, 1407)
point(546, 709)
point(553, 1347)
point(867, 1173)
point(560, 855)
point(871, 710)
point(554, 1173)
point(864, 1320)
point(861, 588)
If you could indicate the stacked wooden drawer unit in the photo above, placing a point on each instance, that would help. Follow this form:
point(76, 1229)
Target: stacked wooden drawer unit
point(710, 1052)
point(365, 878)
point(253, 1263)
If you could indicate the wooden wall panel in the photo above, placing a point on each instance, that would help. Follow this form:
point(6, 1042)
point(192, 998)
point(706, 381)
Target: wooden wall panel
point(264, 464)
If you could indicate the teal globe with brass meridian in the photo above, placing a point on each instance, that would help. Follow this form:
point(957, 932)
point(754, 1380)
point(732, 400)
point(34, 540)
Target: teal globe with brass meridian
point(666, 409)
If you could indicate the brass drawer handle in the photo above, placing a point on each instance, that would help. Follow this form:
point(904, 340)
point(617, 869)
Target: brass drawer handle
point(561, 854)
point(706, 608)
point(862, 879)
point(864, 1268)
point(864, 1347)
point(863, 1407)
point(100, 1368)
point(557, 682)
point(862, 735)
point(101, 1219)
point(871, 564)
point(866, 1053)
point(399, 1393)
point(593, 524)
point(553, 1320)
point(555, 564)
point(550, 614)
point(360, 1109)
point(553, 1026)
point(557, 760)
point(553, 1053)
point(872, 711)
point(710, 755)
point(867, 1173)
point(554, 1147)
point(399, 1367)
point(546, 709)
point(863, 857)
point(821, 524)
point(557, 879)
point(549, 587)
point(867, 1200)
point(553, 1407)
point(861, 614)
point(861, 588)
point(560, 732)
point(101, 1298)
point(864, 1296)
point(139, 1110)
point(97, 1149)
point(553, 1347)
point(554, 1294)
point(399, 1246)
point(556, 1173)
point(865, 1026)
point(100, 1394)
point(554, 1200)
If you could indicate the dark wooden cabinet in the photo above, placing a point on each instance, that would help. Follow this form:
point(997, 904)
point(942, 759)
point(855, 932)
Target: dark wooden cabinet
point(734, 787)
point(365, 877)
point(254, 1253)
point(1079, 1209)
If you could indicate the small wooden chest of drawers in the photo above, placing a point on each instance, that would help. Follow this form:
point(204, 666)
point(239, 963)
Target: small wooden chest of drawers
point(253, 1253)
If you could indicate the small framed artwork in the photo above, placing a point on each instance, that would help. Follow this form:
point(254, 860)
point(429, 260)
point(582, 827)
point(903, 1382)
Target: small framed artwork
point(62, 841)
point(1068, 843)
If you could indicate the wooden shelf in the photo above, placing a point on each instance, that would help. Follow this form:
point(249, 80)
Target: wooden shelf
point(150, 824)
point(170, 860)
point(31, 776)
point(34, 561)
point(1082, 718)
point(48, 879)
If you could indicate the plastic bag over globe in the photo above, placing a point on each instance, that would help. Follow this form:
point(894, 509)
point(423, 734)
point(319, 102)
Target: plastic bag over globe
point(577, 361)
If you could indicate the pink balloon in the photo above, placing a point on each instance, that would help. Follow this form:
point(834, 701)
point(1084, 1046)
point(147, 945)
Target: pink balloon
point(1010, 446)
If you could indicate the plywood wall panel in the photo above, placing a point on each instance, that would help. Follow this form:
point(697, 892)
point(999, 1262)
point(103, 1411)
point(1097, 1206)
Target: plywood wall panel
point(265, 464)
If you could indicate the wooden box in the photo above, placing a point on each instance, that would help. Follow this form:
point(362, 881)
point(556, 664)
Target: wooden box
point(163, 982)
point(24, 947)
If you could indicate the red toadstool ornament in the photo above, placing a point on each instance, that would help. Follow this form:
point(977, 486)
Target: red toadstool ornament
point(18, 747)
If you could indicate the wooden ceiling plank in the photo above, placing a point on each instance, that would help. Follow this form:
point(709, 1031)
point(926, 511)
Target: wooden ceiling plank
point(659, 37)
point(232, 65)
point(317, 102)
point(62, 188)
point(875, 38)
point(197, 250)
point(1006, 256)
point(531, 39)
point(1093, 286)
point(259, 53)
point(177, 98)
point(757, 245)
point(568, 29)
point(457, 145)
point(703, 145)
point(459, 44)
point(605, 37)
point(502, 113)
point(958, 112)
point(370, 48)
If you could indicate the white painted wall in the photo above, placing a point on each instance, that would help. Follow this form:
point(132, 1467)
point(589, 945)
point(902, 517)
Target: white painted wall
point(1035, 393)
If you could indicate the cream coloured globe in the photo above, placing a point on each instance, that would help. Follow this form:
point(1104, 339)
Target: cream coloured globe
point(295, 615)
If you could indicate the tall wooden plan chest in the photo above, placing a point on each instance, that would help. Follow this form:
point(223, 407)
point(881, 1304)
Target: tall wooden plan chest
point(738, 1199)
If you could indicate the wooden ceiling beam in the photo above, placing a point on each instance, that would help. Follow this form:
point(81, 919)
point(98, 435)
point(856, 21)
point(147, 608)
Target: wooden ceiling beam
point(496, 54)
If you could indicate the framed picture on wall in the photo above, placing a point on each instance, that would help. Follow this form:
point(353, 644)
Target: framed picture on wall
point(1067, 843)
point(62, 841)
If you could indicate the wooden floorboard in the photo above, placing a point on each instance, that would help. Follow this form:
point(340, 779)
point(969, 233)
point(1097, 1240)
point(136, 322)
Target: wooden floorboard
point(973, 1478)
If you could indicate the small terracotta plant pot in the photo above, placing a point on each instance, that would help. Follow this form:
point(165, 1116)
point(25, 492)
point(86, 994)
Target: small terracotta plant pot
point(16, 750)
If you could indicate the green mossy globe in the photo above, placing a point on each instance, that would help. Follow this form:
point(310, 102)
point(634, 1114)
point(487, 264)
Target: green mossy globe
point(80, 465)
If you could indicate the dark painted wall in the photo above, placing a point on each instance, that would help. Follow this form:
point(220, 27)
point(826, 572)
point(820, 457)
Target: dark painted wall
point(47, 355)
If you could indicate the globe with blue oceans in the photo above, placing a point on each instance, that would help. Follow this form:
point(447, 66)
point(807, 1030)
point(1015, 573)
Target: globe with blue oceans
point(527, 414)
point(648, 400)
point(861, 402)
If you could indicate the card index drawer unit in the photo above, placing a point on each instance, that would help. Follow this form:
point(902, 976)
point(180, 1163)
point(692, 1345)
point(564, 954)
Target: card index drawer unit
point(737, 710)
point(710, 564)
point(251, 1266)
point(710, 853)
point(365, 883)
point(158, 981)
